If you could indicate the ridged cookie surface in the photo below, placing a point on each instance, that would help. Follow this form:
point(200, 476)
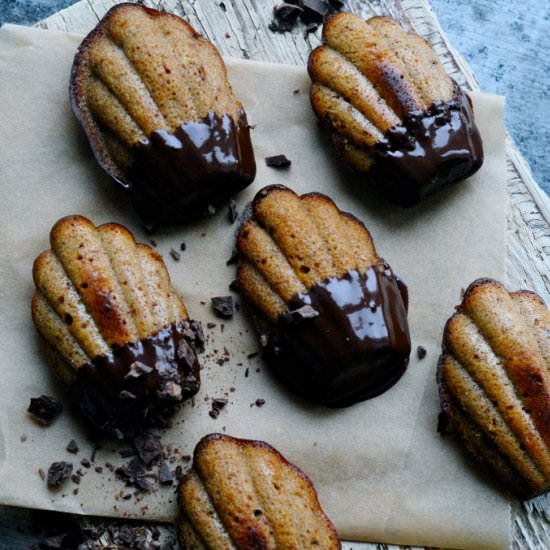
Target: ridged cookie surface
point(392, 110)
point(244, 495)
point(332, 315)
point(118, 331)
point(153, 98)
point(494, 381)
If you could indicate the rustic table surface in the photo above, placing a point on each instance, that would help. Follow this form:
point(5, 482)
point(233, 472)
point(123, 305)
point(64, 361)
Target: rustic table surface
point(240, 29)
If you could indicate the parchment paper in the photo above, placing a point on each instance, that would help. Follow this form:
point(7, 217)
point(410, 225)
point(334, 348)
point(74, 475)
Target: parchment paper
point(382, 472)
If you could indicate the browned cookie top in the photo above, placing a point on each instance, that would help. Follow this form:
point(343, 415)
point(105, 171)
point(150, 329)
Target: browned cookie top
point(144, 81)
point(333, 316)
point(494, 378)
point(391, 108)
point(243, 494)
point(114, 323)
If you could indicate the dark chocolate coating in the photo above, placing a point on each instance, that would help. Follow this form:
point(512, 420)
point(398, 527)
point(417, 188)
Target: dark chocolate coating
point(357, 346)
point(429, 151)
point(173, 363)
point(175, 177)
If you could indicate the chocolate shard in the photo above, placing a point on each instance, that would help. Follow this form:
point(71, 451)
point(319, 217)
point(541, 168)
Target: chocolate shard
point(45, 409)
point(277, 161)
point(72, 447)
point(222, 306)
point(166, 477)
point(148, 445)
point(59, 473)
point(194, 152)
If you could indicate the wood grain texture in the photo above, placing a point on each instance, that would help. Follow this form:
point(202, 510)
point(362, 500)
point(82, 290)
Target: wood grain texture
point(241, 30)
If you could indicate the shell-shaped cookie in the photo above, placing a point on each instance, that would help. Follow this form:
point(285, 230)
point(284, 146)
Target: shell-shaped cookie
point(243, 494)
point(494, 382)
point(118, 332)
point(392, 110)
point(153, 98)
point(332, 315)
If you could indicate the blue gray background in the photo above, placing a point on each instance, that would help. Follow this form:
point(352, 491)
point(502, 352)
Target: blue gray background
point(505, 42)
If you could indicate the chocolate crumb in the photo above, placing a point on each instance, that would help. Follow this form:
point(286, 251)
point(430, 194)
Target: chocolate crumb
point(127, 496)
point(44, 409)
point(72, 447)
point(211, 325)
point(277, 161)
point(214, 413)
point(58, 473)
point(76, 479)
point(234, 286)
point(219, 403)
point(99, 469)
point(94, 452)
point(222, 6)
point(23, 438)
point(295, 92)
point(86, 463)
point(183, 246)
point(42, 474)
point(175, 255)
point(421, 352)
point(222, 306)
point(246, 372)
point(233, 213)
point(127, 453)
point(76, 491)
point(252, 355)
point(259, 402)
point(227, 35)
point(153, 243)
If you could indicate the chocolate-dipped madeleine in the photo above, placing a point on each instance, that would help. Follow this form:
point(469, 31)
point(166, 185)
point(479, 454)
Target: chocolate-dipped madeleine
point(243, 494)
point(494, 383)
point(392, 111)
point(153, 98)
point(331, 314)
point(119, 334)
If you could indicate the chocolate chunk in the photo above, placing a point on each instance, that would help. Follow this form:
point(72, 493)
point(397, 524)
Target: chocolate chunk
point(222, 306)
point(134, 473)
point(175, 255)
point(259, 402)
point(421, 352)
point(72, 447)
point(137, 369)
point(148, 445)
point(58, 473)
point(219, 403)
point(277, 161)
point(185, 352)
point(233, 212)
point(314, 11)
point(45, 409)
point(166, 477)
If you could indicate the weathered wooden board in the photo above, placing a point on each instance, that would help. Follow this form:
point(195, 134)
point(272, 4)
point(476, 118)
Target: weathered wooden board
point(240, 29)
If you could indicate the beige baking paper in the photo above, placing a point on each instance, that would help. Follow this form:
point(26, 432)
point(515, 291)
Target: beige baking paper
point(382, 472)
